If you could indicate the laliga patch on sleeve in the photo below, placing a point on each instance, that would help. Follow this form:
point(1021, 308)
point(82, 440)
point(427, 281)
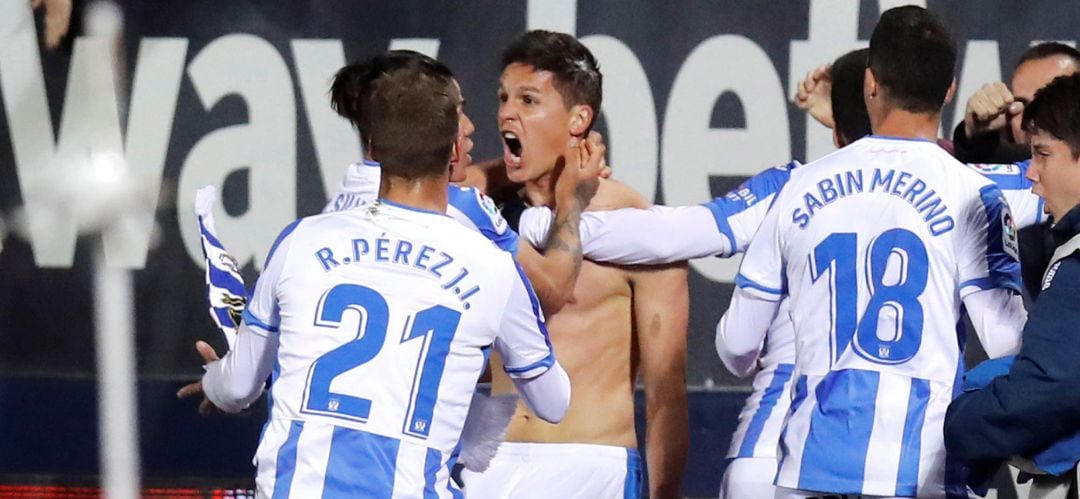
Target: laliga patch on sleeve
point(1008, 233)
point(492, 211)
point(996, 168)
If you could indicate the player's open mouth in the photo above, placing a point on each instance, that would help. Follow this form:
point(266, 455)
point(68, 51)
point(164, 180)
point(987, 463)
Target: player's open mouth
point(511, 149)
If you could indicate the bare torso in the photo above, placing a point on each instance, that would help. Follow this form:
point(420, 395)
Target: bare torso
point(594, 341)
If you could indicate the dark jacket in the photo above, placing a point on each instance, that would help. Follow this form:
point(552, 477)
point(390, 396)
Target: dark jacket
point(1038, 401)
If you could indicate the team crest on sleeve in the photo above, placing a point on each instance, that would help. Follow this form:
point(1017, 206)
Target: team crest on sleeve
point(492, 211)
point(996, 168)
point(1009, 233)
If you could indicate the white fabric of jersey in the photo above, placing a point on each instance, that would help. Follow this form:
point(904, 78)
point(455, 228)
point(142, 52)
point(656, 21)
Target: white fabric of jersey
point(383, 317)
point(928, 232)
point(721, 227)
point(469, 206)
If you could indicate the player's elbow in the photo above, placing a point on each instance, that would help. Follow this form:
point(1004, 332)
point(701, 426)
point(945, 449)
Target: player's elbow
point(739, 361)
point(548, 395)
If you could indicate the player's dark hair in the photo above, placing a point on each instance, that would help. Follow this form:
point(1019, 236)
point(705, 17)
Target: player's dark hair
point(913, 57)
point(353, 84)
point(848, 107)
point(1056, 110)
point(1049, 49)
point(411, 118)
point(575, 70)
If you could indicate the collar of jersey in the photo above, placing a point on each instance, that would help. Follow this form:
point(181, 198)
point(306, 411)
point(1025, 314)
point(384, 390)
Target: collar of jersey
point(409, 208)
point(368, 162)
point(907, 139)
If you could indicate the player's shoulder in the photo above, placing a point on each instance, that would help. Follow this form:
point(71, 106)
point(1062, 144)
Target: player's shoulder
point(613, 195)
point(477, 208)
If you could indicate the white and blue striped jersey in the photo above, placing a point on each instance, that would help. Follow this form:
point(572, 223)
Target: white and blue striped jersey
point(384, 317)
point(1027, 207)
point(877, 244)
point(763, 414)
point(467, 205)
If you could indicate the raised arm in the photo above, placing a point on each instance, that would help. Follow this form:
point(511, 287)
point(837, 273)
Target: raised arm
point(661, 302)
point(666, 234)
point(554, 271)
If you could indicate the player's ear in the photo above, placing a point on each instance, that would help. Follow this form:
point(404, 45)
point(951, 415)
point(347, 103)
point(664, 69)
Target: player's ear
point(581, 116)
point(951, 93)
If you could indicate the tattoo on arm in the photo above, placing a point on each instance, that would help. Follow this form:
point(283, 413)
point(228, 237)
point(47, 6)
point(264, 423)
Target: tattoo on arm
point(564, 234)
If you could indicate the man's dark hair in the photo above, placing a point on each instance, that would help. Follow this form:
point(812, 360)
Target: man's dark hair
point(913, 57)
point(577, 75)
point(1056, 110)
point(353, 84)
point(848, 106)
point(1049, 49)
point(411, 119)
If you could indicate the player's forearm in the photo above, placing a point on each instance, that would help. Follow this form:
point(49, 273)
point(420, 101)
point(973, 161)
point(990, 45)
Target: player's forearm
point(634, 236)
point(666, 437)
point(237, 380)
point(562, 251)
point(742, 329)
point(548, 395)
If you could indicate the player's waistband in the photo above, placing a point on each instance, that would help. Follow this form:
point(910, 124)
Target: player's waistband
point(542, 450)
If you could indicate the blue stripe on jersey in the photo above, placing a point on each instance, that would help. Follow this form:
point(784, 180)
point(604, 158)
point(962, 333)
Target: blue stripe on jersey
point(226, 280)
point(535, 302)
point(744, 196)
point(431, 471)
point(468, 202)
point(796, 402)
point(843, 413)
point(545, 362)
point(632, 482)
point(907, 477)
point(455, 491)
point(222, 314)
point(251, 320)
point(286, 461)
point(745, 282)
point(765, 408)
point(361, 464)
point(1003, 269)
point(209, 235)
point(281, 237)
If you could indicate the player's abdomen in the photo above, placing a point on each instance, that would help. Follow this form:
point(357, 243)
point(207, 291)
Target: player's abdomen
point(592, 339)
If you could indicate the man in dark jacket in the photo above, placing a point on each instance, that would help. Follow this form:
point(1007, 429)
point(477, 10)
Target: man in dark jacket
point(1037, 404)
point(992, 133)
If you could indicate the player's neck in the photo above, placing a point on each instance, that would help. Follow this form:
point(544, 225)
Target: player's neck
point(427, 194)
point(908, 125)
point(541, 191)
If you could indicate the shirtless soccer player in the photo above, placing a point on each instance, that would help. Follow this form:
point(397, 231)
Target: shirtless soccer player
point(624, 320)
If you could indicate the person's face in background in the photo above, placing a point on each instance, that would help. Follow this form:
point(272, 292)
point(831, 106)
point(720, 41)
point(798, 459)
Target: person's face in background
point(464, 143)
point(1056, 173)
point(1028, 78)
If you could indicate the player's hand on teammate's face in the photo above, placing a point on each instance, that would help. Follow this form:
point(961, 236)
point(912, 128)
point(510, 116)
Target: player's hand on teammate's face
point(209, 355)
point(989, 109)
point(814, 95)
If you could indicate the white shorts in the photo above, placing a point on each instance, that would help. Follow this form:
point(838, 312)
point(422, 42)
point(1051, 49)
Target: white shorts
point(749, 478)
point(530, 470)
